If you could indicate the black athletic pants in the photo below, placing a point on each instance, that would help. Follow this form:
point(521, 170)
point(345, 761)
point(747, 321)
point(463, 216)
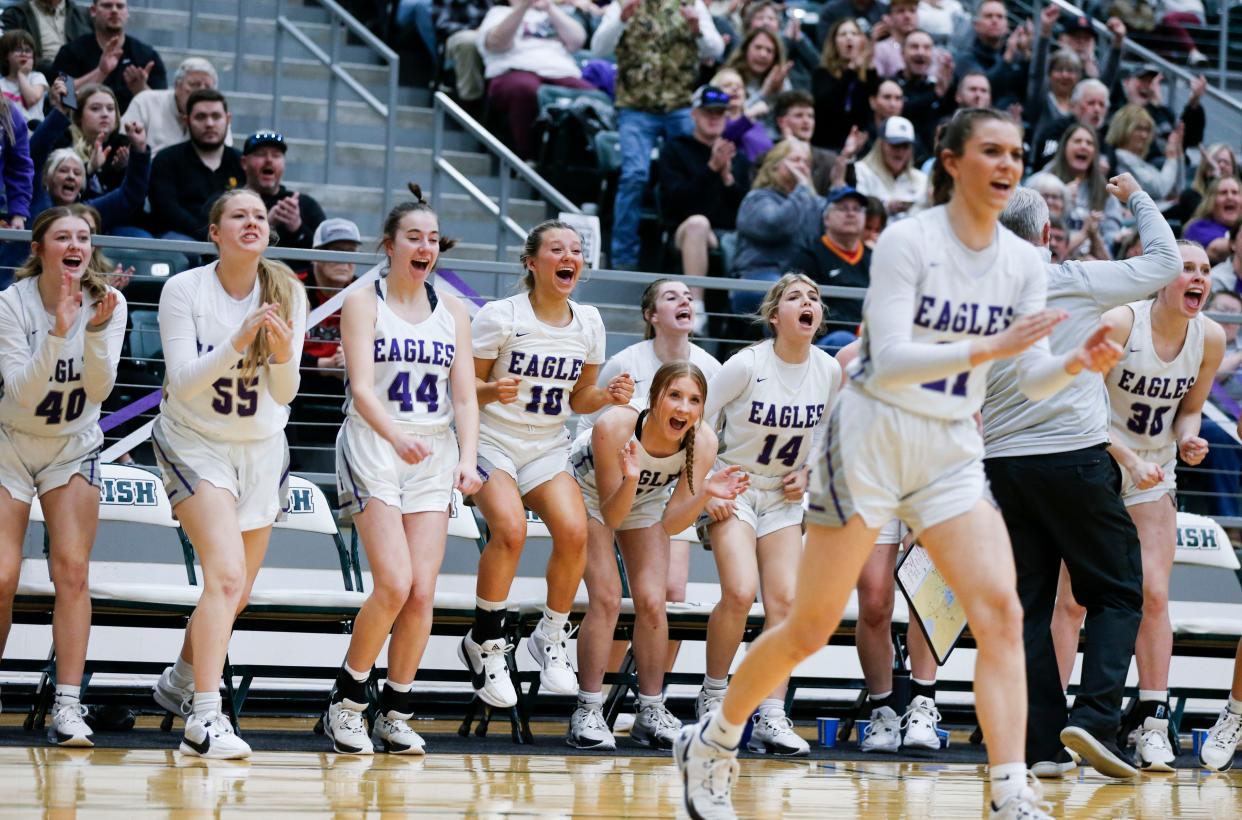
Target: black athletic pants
point(1067, 507)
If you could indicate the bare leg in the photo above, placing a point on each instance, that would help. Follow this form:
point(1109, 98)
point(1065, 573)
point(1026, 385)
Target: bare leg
point(383, 537)
point(559, 503)
point(14, 516)
point(603, 581)
point(778, 577)
point(72, 515)
point(425, 536)
point(875, 618)
point(646, 564)
point(678, 578)
point(501, 506)
point(733, 546)
point(695, 239)
point(1066, 627)
point(1157, 527)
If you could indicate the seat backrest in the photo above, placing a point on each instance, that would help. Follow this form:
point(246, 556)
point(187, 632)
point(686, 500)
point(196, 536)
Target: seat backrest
point(1203, 542)
point(129, 494)
point(308, 509)
point(549, 95)
point(461, 522)
point(535, 528)
point(151, 270)
point(144, 336)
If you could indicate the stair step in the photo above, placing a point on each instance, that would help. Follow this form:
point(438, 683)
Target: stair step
point(306, 10)
point(296, 65)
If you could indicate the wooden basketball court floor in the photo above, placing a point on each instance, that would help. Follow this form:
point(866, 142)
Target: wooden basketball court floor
point(44, 781)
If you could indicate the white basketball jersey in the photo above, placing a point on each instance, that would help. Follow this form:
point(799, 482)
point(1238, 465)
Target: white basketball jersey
point(641, 362)
point(547, 360)
point(232, 408)
point(958, 294)
point(64, 408)
point(411, 363)
point(655, 475)
point(1144, 390)
point(767, 429)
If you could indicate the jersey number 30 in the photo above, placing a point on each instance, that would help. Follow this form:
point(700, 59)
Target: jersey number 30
point(427, 392)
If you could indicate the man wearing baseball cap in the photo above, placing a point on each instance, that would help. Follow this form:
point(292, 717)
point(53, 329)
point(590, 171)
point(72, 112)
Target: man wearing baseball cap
point(1142, 87)
point(840, 259)
point(294, 217)
point(888, 172)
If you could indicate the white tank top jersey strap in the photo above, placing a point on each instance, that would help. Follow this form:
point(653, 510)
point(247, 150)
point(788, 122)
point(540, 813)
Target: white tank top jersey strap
point(641, 362)
point(53, 386)
point(958, 294)
point(1144, 390)
point(766, 428)
point(197, 317)
point(548, 360)
point(411, 364)
point(656, 475)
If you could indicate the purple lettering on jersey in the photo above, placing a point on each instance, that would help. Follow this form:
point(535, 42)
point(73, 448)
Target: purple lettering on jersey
point(546, 367)
point(419, 351)
point(1154, 387)
point(967, 318)
point(785, 416)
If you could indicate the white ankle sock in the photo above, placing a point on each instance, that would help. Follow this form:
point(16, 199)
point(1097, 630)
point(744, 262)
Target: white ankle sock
point(552, 621)
point(647, 701)
point(1007, 780)
point(68, 694)
point(182, 675)
point(1157, 695)
point(361, 677)
point(206, 704)
point(398, 687)
point(1235, 705)
point(715, 683)
point(590, 698)
point(770, 705)
point(723, 733)
point(489, 606)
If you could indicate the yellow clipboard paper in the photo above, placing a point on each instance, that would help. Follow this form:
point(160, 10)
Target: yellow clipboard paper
point(933, 605)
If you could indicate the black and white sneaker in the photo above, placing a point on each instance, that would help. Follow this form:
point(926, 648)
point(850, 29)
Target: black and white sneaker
point(589, 730)
point(345, 724)
point(396, 737)
point(172, 698)
point(773, 734)
point(656, 727)
point(212, 737)
point(1153, 750)
point(707, 774)
point(69, 725)
point(489, 670)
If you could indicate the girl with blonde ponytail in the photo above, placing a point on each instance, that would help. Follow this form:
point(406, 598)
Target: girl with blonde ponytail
point(61, 329)
point(232, 333)
point(644, 477)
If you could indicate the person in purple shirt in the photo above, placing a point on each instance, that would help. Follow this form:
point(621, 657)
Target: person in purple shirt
point(1219, 211)
point(743, 123)
point(17, 173)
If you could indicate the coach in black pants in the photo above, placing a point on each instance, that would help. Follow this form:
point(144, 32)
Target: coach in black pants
point(1059, 492)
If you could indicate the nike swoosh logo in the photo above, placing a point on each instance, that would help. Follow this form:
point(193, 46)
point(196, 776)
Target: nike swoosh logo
point(764, 379)
point(200, 747)
point(523, 333)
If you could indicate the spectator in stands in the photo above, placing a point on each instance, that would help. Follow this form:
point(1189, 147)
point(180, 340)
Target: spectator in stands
point(1088, 106)
point(659, 45)
point(901, 21)
point(1077, 164)
point(188, 176)
point(1213, 488)
point(888, 172)
point(457, 26)
point(1053, 190)
point(1229, 302)
point(1077, 34)
point(744, 124)
point(1215, 217)
point(63, 182)
point(1226, 273)
point(703, 178)
point(1130, 133)
point(974, 90)
point(50, 23)
point(839, 258)
point(926, 82)
point(781, 213)
point(417, 18)
point(294, 217)
point(876, 221)
point(91, 130)
point(1142, 87)
point(887, 101)
point(162, 110)
point(526, 45)
point(17, 179)
point(323, 363)
point(21, 84)
point(1058, 240)
point(868, 12)
point(942, 18)
point(802, 53)
point(1052, 79)
point(760, 61)
point(1175, 15)
point(795, 117)
point(841, 85)
point(1003, 56)
point(110, 56)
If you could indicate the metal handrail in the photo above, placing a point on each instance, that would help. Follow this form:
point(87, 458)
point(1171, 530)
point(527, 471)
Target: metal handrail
point(510, 164)
point(1174, 72)
point(338, 74)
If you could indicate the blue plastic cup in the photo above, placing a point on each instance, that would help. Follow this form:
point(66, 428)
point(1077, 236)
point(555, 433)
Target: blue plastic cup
point(828, 727)
point(862, 729)
point(943, 734)
point(1198, 737)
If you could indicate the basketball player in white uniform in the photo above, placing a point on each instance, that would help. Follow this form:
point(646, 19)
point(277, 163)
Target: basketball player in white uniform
point(61, 329)
point(411, 376)
point(886, 730)
point(645, 477)
point(902, 443)
point(536, 359)
point(768, 404)
point(1156, 395)
point(668, 311)
point(232, 333)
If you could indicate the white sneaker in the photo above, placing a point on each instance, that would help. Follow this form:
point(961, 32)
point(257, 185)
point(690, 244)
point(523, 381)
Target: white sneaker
point(346, 726)
point(1027, 804)
point(69, 725)
point(773, 734)
point(589, 730)
point(396, 737)
point(1217, 750)
point(883, 732)
point(920, 721)
point(624, 723)
point(1154, 752)
point(551, 652)
point(212, 737)
point(1062, 764)
point(655, 727)
point(489, 670)
point(707, 775)
point(708, 700)
point(173, 699)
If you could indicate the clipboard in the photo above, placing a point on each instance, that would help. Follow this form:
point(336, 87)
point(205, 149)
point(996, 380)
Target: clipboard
point(933, 605)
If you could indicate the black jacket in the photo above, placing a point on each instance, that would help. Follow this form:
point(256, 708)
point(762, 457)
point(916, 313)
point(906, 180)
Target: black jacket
point(182, 188)
point(81, 56)
point(688, 187)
